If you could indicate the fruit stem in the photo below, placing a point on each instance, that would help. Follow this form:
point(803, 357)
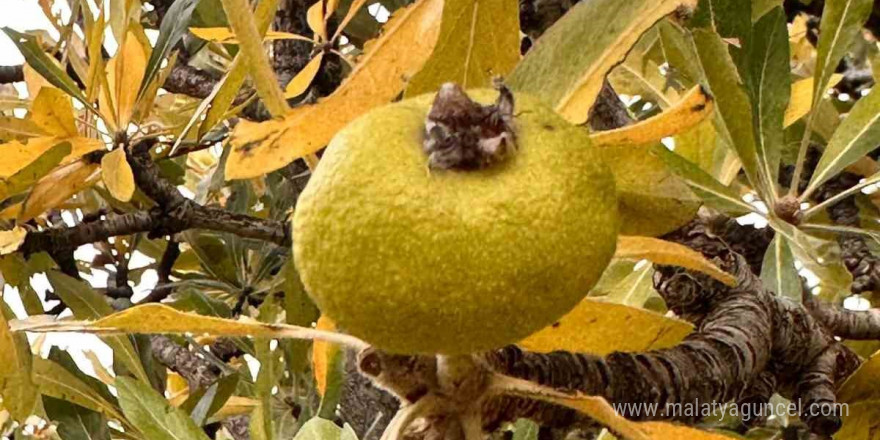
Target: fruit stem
point(464, 135)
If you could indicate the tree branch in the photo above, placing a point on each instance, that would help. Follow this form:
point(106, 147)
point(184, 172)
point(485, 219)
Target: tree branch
point(173, 214)
point(748, 344)
point(11, 74)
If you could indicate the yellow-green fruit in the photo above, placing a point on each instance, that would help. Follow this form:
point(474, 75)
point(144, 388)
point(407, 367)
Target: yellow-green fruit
point(415, 260)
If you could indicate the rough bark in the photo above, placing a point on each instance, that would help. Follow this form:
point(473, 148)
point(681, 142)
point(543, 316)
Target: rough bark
point(11, 74)
point(747, 343)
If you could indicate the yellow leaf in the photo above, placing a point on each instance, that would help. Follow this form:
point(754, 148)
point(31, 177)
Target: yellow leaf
point(322, 354)
point(117, 175)
point(405, 44)
point(101, 371)
point(11, 240)
point(241, 19)
point(16, 155)
point(671, 431)
point(228, 88)
point(10, 212)
point(802, 98)
point(224, 35)
point(650, 198)
point(694, 108)
point(861, 421)
point(125, 72)
point(863, 384)
point(478, 39)
point(236, 405)
point(21, 129)
point(159, 318)
point(53, 113)
point(600, 410)
point(304, 78)
point(95, 76)
point(315, 20)
point(570, 61)
point(58, 186)
point(669, 253)
point(80, 146)
point(601, 328)
point(34, 80)
point(330, 7)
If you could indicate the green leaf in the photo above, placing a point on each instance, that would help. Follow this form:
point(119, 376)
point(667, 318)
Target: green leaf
point(75, 422)
point(710, 190)
point(299, 310)
point(679, 50)
point(335, 379)
point(271, 364)
point(770, 87)
point(635, 289)
point(732, 104)
point(85, 303)
point(841, 22)
point(761, 7)
point(478, 39)
point(171, 30)
point(822, 257)
point(21, 397)
point(153, 415)
point(203, 403)
point(732, 20)
point(43, 64)
point(778, 273)
point(568, 64)
point(858, 134)
point(65, 360)
point(525, 429)
point(322, 429)
point(55, 381)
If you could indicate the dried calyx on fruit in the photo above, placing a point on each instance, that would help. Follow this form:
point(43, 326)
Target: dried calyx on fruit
point(463, 134)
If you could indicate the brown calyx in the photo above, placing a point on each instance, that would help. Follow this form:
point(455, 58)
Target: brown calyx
point(788, 209)
point(464, 135)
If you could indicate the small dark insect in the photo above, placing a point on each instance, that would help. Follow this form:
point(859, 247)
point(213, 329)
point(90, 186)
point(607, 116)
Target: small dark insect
point(465, 135)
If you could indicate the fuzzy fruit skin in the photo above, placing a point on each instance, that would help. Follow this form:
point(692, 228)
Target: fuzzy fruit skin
point(446, 261)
